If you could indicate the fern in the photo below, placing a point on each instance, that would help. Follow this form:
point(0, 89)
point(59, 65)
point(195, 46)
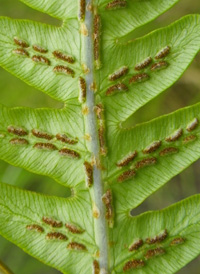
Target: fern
point(103, 77)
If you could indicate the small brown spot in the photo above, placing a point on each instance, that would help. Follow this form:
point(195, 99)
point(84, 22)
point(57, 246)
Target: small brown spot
point(157, 239)
point(93, 86)
point(154, 252)
point(47, 146)
point(39, 49)
point(69, 153)
point(116, 4)
point(107, 200)
point(99, 109)
point(126, 175)
point(102, 142)
point(74, 228)
point(163, 52)
point(133, 264)
point(56, 236)
point(97, 34)
point(189, 138)
point(64, 70)
point(82, 10)
point(177, 241)
point(21, 42)
point(136, 245)
point(41, 59)
point(116, 88)
point(160, 65)
point(146, 162)
point(82, 90)
point(138, 78)
point(19, 141)
point(168, 150)
point(42, 135)
point(118, 73)
point(127, 159)
point(64, 57)
point(145, 63)
point(95, 211)
point(192, 125)
point(52, 222)
point(96, 267)
point(17, 131)
point(152, 147)
point(76, 246)
point(21, 52)
point(65, 139)
point(89, 173)
point(35, 227)
point(175, 136)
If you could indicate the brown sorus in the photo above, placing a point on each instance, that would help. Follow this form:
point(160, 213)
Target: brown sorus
point(145, 63)
point(89, 173)
point(82, 5)
point(126, 175)
point(116, 4)
point(97, 33)
point(76, 246)
point(127, 159)
point(189, 138)
point(192, 125)
point(107, 200)
point(99, 111)
point(17, 131)
point(65, 139)
point(64, 57)
point(56, 236)
point(40, 134)
point(64, 70)
point(52, 222)
point(158, 238)
point(154, 252)
point(96, 267)
point(136, 245)
point(133, 264)
point(21, 42)
point(102, 142)
point(82, 90)
point(39, 49)
point(21, 52)
point(138, 78)
point(146, 162)
point(47, 146)
point(152, 147)
point(35, 227)
point(177, 241)
point(41, 59)
point(160, 65)
point(168, 150)
point(69, 152)
point(116, 88)
point(74, 228)
point(163, 52)
point(118, 73)
point(18, 141)
point(175, 136)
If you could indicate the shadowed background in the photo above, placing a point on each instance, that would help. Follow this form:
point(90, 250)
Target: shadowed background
point(16, 93)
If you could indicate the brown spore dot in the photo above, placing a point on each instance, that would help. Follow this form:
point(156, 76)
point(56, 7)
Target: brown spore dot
point(118, 73)
point(146, 162)
point(116, 88)
point(89, 173)
point(17, 131)
point(52, 222)
point(40, 59)
point(177, 241)
point(154, 252)
point(75, 229)
point(45, 146)
point(34, 227)
point(127, 175)
point(152, 147)
point(139, 78)
point(127, 159)
point(21, 52)
point(64, 57)
point(39, 49)
point(136, 245)
point(82, 90)
point(41, 134)
point(56, 236)
point(107, 200)
point(76, 246)
point(116, 4)
point(163, 52)
point(21, 43)
point(168, 151)
point(69, 153)
point(97, 34)
point(192, 125)
point(133, 264)
point(189, 139)
point(18, 141)
point(158, 238)
point(82, 5)
point(96, 267)
point(144, 64)
point(65, 139)
point(175, 135)
point(159, 65)
point(64, 70)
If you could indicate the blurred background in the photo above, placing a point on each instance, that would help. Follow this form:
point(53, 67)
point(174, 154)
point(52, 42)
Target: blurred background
point(16, 93)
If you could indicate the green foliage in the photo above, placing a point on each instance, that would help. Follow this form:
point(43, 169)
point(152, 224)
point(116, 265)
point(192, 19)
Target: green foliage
point(132, 163)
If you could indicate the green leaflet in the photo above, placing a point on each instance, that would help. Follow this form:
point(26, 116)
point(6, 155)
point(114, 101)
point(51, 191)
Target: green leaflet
point(57, 143)
point(20, 208)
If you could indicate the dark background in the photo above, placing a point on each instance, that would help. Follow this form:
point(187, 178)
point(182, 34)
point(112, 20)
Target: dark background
point(16, 93)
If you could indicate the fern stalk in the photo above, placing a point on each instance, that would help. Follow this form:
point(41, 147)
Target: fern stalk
point(100, 223)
